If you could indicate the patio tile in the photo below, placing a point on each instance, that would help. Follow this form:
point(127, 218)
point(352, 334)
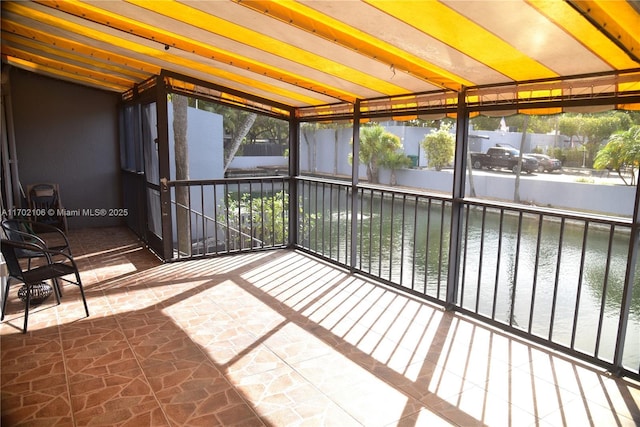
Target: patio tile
point(277, 339)
point(44, 406)
point(114, 399)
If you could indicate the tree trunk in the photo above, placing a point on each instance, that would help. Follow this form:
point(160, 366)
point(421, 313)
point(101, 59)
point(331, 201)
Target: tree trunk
point(394, 178)
point(335, 151)
point(516, 193)
point(472, 187)
point(243, 130)
point(310, 139)
point(181, 149)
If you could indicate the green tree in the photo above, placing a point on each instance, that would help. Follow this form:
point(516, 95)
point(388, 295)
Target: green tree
point(259, 221)
point(621, 153)
point(263, 221)
point(394, 161)
point(591, 130)
point(535, 124)
point(376, 144)
point(438, 147)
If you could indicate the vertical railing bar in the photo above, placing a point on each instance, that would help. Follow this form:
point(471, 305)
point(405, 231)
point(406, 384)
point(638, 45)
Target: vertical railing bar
point(426, 257)
point(415, 241)
point(380, 235)
point(480, 258)
point(464, 254)
point(393, 204)
point(370, 229)
point(347, 237)
point(516, 268)
point(339, 189)
point(215, 217)
point(362, 248)
point(240, 217)
point(251, 215)
point(172, 196)
point(324, 186)
point(605, 289)
point(284, 195)
point(330, 220)
point(498, 260)
point(362, 251)
point(535, 273)
point(285, 225)
point(313, 206)
point(440, 248)
point(226, 213)
point(402, 240)
point(204, 228)
point(576, 309)
point(361, 220)
point(301, 215)
point(262, 218)
point(309, 215)
point(189, 213)
point(557, 279)
point(284, 212)
point(315, 219)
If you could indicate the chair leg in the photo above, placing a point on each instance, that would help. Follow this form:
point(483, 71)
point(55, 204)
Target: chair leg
point(84, 300)
point(27, 303)
point(55, 284)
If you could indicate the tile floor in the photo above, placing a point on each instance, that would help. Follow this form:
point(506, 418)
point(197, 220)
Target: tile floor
point(276, 339)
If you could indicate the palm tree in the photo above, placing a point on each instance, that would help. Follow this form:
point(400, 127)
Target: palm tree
point(621, 152)
point(376, 145)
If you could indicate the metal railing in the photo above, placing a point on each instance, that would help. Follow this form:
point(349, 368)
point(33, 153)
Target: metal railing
point(228, 216)
point(554, 277)
point(562, 279)
point(557, 278)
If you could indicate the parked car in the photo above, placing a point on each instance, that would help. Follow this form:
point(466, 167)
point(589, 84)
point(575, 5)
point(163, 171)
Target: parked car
point(503, 158)
point(546, 163)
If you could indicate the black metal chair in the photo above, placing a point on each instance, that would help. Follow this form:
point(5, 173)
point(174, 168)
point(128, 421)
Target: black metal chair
point(48, 237)
point(46, 206)
point(57, 269)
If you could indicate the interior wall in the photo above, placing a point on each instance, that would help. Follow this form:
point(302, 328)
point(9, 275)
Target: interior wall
point(68, 134)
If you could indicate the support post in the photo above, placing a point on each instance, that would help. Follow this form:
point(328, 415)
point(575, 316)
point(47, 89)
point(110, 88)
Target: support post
point(294, 172)
point(627, 290)
point(163, 166)
point(355, 167)
point(457, 207)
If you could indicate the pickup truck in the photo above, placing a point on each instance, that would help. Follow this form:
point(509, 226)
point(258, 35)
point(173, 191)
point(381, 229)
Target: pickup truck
point(503, 158)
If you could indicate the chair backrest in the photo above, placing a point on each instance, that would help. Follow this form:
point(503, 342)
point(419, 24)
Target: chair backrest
point(44, 199)
point(10, 253)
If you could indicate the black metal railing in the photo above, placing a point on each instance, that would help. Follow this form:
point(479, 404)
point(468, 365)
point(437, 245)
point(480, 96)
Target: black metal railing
point(555, 277)
point(214, 217)
point(558, 278)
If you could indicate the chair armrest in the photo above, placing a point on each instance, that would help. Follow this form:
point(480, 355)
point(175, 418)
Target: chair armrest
point(46, 228)
point(47, 253)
